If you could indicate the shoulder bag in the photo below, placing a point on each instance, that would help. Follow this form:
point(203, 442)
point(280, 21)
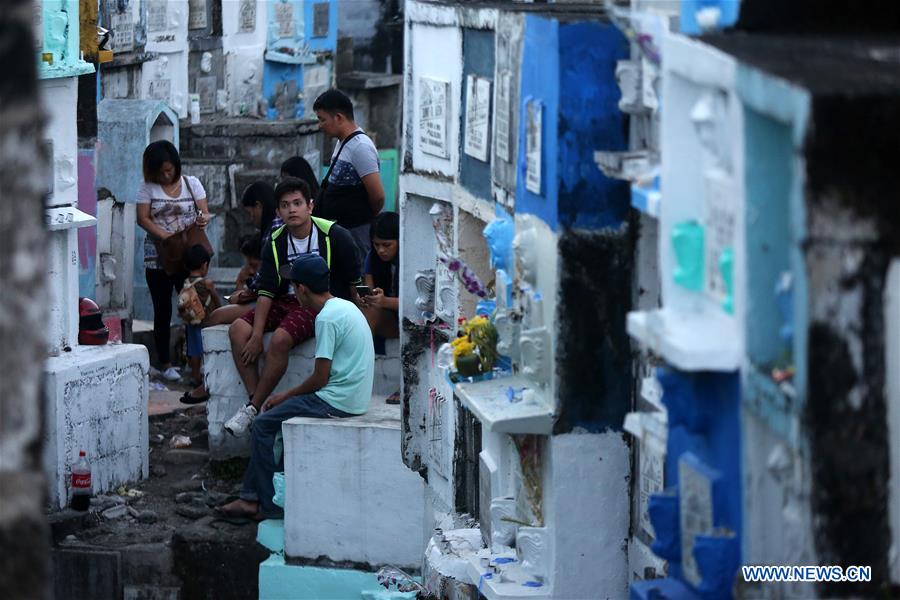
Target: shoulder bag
point(171, 250)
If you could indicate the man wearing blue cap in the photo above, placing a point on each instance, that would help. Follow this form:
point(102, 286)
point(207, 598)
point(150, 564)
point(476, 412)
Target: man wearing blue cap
point(340, 384)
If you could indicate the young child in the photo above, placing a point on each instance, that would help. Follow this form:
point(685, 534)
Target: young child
point(250, 249)
point(197, 261)
point(244, 295)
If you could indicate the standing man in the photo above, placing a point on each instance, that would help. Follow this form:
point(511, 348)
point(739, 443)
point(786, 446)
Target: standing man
point(340, 385)
point(351, 194)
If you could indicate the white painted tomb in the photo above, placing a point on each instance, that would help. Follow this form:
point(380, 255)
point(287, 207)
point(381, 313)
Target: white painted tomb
point(584, 525)
point(95, 396)
point(348, 495)
point(96, 400)
point(243, 44)
point(227, 392)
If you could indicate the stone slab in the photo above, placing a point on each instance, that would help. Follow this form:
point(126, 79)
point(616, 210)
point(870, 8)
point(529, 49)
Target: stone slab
point(349, 497)
point(150, 592)
point(164, 402)
point(79, 574)
point(186, 456)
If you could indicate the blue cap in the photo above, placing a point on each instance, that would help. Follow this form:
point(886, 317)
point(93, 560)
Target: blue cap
point(310, 270)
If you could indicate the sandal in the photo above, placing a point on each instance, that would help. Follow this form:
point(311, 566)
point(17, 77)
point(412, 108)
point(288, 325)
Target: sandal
point(393, 398)
point(237, 517)
point(188, 399)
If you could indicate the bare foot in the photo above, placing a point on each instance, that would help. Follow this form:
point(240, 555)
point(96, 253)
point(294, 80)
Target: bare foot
point(241, 508)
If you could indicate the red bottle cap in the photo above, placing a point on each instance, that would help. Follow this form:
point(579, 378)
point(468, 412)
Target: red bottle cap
point(81, 453)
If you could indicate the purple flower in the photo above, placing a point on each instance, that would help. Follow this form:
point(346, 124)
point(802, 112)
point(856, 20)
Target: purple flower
point(454, 265)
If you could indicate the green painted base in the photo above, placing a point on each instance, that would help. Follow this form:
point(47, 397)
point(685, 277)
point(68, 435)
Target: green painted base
point(270, 533)
point(280, 581)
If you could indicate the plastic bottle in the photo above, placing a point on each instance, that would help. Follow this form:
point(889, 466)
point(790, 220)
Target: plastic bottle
point(81, 483)
point(195, 108)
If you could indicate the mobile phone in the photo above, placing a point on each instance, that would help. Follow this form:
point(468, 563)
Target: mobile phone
point(363, 290)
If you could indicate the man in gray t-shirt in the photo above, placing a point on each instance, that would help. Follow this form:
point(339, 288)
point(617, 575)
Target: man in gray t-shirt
point(352, 193)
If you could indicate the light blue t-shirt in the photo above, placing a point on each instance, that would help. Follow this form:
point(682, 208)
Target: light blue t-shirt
point(344, 337)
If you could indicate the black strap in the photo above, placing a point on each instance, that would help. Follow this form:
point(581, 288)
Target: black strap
point(185, 183)
point(338, 155)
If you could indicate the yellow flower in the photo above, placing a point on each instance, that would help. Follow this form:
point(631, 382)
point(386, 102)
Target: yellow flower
point(475, 323)
point(462, 347)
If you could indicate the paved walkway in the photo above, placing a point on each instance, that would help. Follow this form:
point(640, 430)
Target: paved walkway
point(164, 402)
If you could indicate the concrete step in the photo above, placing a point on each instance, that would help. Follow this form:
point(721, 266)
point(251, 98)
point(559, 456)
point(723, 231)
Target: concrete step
point(227, 392)
point(348, 495)
point(279, 580)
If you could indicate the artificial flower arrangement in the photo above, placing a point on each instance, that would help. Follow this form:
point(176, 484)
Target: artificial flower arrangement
point(466, 276)
point(475, 351)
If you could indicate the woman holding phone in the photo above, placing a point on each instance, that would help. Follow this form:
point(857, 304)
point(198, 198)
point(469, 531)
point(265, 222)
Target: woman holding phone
point(167, 203)
point(378, 300)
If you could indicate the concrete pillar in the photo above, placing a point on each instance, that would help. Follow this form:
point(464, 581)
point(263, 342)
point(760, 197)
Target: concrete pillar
point(23, 530)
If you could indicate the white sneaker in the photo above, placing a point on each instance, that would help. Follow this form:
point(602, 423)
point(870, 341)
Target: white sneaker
point(171, 374)
point(240, 422)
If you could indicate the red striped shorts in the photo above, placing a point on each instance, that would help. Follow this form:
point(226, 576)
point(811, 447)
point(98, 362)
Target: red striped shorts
point(286, 313)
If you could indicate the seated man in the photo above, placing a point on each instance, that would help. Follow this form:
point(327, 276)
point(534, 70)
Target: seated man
point(276, 308)
point(340, 385)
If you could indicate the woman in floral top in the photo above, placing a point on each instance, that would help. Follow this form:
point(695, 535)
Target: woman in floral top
point(166, 203)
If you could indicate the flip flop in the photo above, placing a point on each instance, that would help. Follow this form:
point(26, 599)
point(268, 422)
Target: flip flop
point(393, 398)
point(188, 399)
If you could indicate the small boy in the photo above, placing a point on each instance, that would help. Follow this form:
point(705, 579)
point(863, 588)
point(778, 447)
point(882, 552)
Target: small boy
point(197, 261)
point(245, 286)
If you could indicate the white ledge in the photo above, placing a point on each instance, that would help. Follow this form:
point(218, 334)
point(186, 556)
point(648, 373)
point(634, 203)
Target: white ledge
point(508, 583)
point(689, 341)
point(488, 401)
point(66, 217)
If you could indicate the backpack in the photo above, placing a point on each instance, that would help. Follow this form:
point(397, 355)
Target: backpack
point(190, 306)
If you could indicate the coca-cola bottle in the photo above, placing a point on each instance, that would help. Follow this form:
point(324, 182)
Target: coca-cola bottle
point(81, 483)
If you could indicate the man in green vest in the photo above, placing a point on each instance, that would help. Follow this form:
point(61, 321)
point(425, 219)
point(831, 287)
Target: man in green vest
point(277, 309)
